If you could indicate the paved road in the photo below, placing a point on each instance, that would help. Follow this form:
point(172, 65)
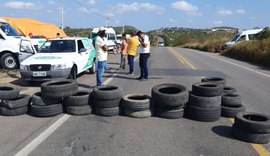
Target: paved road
point(94, 135)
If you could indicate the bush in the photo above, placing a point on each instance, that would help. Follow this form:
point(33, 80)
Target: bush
point(265, 34)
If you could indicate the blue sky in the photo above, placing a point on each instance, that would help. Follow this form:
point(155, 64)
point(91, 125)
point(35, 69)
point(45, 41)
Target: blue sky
point(144, 14)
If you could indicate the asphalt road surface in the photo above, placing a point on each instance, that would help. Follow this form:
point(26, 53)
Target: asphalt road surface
point(123, 136)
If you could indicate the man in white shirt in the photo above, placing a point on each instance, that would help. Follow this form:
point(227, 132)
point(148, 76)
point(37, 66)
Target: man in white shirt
point(101, 54)
point(144, 55)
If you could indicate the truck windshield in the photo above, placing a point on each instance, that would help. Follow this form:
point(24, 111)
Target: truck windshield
point(235, 38)
point(111, 36)
point(8, 29)
point(58, 46)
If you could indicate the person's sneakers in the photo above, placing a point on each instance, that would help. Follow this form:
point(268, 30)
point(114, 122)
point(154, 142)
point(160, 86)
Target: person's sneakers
point(143, 79)
point(131, 73)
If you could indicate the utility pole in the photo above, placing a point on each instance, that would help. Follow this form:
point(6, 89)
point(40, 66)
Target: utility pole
point(107, 21)
point(123, 28)
point(62, 14)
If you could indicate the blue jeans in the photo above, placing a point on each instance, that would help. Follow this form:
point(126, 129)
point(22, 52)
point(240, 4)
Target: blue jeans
point(143, 65)
point(131, 63)
point(123, 61)
point(100, 70)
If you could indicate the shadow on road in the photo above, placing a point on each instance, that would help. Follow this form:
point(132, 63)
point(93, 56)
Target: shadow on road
point(224, 131)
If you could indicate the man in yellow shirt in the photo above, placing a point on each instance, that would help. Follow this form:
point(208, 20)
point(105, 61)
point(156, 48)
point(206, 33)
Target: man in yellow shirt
point(133, 43)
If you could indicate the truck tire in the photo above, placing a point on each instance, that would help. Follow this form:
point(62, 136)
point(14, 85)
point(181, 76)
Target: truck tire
point(207, 89)
point(203, 114)
point(13, 112)
point(138, 114)
point(107, 93)
point(170, 114)
point(108, 112)
point(73, 73)
point(59, 89)
point(21, 101)
point(8, 92)
point(38, 99)
point(250, 137)
point(231, 111)
point(229, 90)
point(136, 102)
point(46, 110)
point(231, 100)
point(79, 110)
point(217, 80)
point(92, 70)
point(170, 94)
point(253, 122)
point(8, 61)
point(107, 103)
point(81, 98)
point(205, 102)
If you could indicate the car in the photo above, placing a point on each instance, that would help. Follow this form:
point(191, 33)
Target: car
point(110, 36)
point(58, 59)
point(161, 44)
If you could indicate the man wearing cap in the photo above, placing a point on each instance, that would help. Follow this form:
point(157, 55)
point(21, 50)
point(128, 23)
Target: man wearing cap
point(132, 50)
point(144, 55)
point(101, 54)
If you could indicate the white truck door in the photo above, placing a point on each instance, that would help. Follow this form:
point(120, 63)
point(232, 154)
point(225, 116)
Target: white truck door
point(83, 56)
point(26, 50)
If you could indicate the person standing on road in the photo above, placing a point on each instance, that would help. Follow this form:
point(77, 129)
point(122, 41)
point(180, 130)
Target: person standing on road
point(133, 43)
point(144, 55)
point(123, 51)
point(101, 50)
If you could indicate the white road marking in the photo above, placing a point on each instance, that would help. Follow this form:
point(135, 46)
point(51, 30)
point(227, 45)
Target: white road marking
point(50, 130)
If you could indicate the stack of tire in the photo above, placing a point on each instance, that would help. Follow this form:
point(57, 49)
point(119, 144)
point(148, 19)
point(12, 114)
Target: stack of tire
point(48, 102)
point(252, 128)
point(217, 80)
point(169, 100)
point(78, 104)
point(12, 103)
point(137, 105)
point(231, 105)
point(204, 102)
point(106, 100)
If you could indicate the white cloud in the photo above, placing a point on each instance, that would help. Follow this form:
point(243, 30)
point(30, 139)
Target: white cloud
point(171, 20)
point(92, 1)
point(109, 14)
point(218, 22)
point(122, 7)
point(20, 5)
point(186, 7)
point(51, 2)
point(224, 12)
point(240, 11)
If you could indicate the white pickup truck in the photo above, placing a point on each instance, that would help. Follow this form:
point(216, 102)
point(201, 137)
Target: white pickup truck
point(58, 59)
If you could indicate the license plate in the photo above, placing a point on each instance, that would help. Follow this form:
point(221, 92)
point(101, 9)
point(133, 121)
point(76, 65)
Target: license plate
point(39, 74)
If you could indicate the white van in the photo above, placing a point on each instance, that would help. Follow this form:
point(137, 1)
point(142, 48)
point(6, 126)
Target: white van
point(111, 37)
point(10, 39)
point(242, 36)
point(58, 59)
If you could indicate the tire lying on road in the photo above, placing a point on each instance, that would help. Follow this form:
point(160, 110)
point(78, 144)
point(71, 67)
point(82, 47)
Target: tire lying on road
point(81, 98)
point(229, 90)
point(170, 94)
point(8, 92)
point(18, 102)
point(79, 110)
point(231, 111)
point(13, 112)
point(138, 114)
point(136, 102)
point(38, 99)
point(217, 80)
point(46, 110)
point(107, 93)
point(59, 89)
point(203, 114)
point(107, 103)
point(253, 122)
point(108, 112)
point(231, 100)
point(175, 113)
point(206, 102)
point(207, 89)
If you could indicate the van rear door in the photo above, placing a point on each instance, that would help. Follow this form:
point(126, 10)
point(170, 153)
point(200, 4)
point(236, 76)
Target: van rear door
point(26, 50)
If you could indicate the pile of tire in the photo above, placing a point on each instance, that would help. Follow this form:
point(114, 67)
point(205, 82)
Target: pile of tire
point(106, 100)
point(49, 102)
point(204, 102)
point(252, 128)
point(12, 103)
point(231, 105)
point(137, 105)
point(169, 100)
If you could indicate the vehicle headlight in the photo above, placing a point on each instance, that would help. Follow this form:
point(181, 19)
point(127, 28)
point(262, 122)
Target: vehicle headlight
point(24, 67)
point(58, 66)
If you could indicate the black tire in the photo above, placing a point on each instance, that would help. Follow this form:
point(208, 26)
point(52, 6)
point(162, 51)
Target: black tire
point(8, 92)
point(107, 93)
point(231, 111)
point(217, 80)
point(205, 102)
point(46, 110)
point(231, 100)
point(136, 102)
point(59, 89)
point(21, 101)
point(170, 114)
point(73, 73)
point(250, 137)
point(107, 103)
point(13, 112)
point(79, 110)
point(38, 99)
point(203, 114)
point(109, 112)
point(81, 98)
point(207, 89)
point(170, 94)
point(138, 114)
point(253, 122)
point(8, 61)
point(167, 108)
point(229, 90)
point(92, 70)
